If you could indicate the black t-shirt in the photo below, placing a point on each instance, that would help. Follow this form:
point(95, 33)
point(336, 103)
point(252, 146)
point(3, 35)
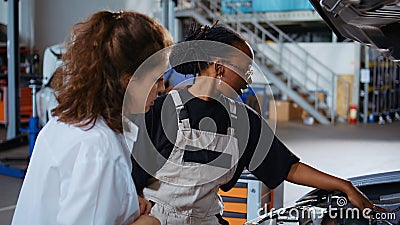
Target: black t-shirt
point(261, 152)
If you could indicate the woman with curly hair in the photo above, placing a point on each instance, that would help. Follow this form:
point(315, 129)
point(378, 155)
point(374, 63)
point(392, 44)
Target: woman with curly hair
point(80, 170)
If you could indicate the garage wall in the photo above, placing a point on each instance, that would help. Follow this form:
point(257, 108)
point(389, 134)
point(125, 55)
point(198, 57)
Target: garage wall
point(26, 13)
point(44, 23)
point(26, 23)
point(47, 22)
point(341, 58)
point(54, 18)
point(3, 12)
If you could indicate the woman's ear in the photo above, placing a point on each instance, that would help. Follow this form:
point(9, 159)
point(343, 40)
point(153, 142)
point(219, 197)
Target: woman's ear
point(219, 69)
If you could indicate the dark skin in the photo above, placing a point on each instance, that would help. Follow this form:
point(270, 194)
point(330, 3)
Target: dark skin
point(207, 84)
point(303, 174)
point(231, 77)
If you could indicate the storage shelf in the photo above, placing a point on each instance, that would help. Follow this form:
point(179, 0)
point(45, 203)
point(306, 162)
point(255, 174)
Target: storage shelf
point(282, 17)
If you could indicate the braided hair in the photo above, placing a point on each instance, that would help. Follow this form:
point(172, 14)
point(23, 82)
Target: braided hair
point(216, 33)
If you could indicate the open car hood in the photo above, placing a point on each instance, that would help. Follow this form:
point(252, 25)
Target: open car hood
point(320, 207)
point(372, 185)
point(372, 22)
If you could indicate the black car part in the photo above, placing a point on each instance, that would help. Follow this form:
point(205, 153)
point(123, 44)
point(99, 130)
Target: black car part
point(320, 207)
point(372, 22)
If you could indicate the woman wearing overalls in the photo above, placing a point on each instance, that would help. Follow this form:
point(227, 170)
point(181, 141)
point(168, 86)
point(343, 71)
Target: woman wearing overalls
point(207, 139)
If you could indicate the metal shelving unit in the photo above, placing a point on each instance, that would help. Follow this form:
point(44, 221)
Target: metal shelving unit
point(381, 90)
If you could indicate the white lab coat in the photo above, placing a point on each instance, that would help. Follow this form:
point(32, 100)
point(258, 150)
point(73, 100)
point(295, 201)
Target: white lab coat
point(78, 176)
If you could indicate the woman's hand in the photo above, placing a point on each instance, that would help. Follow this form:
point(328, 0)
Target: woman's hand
point(359, 200)
point(145, 206)
point(303, 174)
point(146, 220)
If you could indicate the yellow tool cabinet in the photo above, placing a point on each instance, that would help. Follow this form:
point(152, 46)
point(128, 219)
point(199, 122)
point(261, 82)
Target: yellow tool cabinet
point(244, 201)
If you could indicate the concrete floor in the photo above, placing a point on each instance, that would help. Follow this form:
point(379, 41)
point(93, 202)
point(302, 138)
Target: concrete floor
point(342, 150)
point(9, 186)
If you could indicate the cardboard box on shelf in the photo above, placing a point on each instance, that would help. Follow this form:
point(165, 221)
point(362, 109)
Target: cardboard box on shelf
point(296, 111)
point(321, 96)
point(285, 110)
point(305, 114)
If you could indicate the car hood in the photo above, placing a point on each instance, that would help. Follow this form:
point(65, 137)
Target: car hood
point(360, 181)
point(372, 22)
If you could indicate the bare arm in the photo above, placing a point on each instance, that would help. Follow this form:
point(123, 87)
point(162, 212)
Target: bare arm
point(146, 220)
point(305, 175)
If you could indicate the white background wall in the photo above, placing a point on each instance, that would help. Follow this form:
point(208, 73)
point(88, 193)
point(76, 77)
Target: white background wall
point(3, 12)
point(341, 58)
point(338, 57)
point(47, 22)
point(54, 18)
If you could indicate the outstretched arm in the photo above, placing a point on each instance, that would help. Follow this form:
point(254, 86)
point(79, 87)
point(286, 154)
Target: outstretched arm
point(303, 174)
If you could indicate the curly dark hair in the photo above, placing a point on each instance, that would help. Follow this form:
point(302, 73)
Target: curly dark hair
point(101, 57)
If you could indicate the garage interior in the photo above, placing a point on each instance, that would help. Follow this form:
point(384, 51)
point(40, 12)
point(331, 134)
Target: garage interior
point(334, 101)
